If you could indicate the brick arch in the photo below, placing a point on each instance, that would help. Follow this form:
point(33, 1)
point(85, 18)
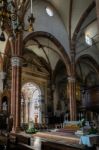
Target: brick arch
point(65, 56)
point(93, 76)
point(81, 21)
point(91, 60)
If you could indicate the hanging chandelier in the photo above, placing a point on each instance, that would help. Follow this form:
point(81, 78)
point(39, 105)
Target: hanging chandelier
point(10, 18)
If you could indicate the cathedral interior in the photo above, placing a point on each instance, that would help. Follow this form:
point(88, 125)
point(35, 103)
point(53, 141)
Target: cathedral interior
point(49, 69)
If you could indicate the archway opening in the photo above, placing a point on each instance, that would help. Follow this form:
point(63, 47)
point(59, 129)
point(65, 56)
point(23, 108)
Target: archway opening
point(31, 103)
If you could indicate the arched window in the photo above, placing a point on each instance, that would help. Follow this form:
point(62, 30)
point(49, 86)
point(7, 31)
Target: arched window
point(88, 40)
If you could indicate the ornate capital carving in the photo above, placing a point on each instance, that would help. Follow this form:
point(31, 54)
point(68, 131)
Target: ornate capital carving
point(16, 61)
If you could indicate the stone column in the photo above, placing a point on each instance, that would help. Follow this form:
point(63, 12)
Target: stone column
point(24, 107)
point(42, 109)
point(16, 92)
point(22, 110)
point(72, 97)
point(26, 111)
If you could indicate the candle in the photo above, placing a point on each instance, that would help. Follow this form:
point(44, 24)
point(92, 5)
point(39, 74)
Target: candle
point(31, 7)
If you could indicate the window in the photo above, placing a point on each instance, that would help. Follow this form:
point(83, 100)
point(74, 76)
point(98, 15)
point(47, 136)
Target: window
point(49, 11)
point(88, 40)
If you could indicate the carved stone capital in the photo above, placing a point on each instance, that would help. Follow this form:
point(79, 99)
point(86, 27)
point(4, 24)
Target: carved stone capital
point(16, 61)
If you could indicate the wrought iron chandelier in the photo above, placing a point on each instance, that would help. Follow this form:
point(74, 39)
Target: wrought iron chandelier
point(10, 18)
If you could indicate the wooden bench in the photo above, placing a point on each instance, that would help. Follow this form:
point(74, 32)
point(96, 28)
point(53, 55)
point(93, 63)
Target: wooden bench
point(18, 138)
point(57, 146)
point(23, 139)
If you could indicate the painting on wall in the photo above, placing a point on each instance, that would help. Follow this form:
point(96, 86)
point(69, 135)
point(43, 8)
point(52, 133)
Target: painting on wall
point(62, 94)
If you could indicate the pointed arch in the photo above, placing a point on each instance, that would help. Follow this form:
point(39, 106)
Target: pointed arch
point(82, 19)
point(92, 61)
point(64, 55)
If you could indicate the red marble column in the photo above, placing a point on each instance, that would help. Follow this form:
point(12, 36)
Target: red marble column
point(72, 98)
point(13, 96)
point(16, 48)
point(16, 92)
point(72, 87)
point(18, 98)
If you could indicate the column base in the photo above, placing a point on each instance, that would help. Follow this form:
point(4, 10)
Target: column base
point(17, 129)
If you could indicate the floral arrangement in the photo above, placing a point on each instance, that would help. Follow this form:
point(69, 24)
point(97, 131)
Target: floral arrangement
point(31, 130)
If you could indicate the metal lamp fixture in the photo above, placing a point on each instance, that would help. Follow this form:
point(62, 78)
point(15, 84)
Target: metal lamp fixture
point(31, 20)
point(9, 17)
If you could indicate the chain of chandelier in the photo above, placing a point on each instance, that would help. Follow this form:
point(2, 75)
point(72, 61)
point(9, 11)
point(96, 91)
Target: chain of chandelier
point(9, 18)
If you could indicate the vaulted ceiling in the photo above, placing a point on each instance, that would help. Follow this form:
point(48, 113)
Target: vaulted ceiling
point(71, 20)
point(70, 11)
